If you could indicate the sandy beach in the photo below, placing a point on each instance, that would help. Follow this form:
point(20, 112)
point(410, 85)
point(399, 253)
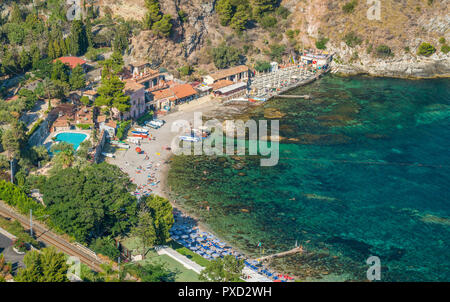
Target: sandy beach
point(158, 163)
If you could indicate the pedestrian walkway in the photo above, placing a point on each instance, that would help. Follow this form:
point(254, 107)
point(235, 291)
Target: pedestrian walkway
point(187, 263)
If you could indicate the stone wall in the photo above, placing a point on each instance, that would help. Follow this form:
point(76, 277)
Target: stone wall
point(99, 147)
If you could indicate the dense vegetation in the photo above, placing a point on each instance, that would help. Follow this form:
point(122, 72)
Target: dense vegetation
point(47, 266)
point(226, 269)
point(91, 202)
point(239, 14)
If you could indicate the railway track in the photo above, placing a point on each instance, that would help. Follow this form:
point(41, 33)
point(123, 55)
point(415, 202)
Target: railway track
point(51, 238)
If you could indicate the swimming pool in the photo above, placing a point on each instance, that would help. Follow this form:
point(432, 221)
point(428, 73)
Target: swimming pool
point(72, 138)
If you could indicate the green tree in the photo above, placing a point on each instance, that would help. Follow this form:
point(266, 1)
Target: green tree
point(105, 246)
point(145, 231)
point(57, 49)
point(262, 6)
point(226, 269)
point(89, 34)
point(240, 18)
point(163, 27)
point(225, 11)
point(77, 78)
point(14, 138)
point(162, 214)
point(276, 52)
point(78, 39)
point(90, 202)
point(153, 14)
point(47, 266)
point(24, 60)
point(35, 56)
point(85, 100)
point(63, 47)
point(225, 56)
point(111, 94)
point(60, 71)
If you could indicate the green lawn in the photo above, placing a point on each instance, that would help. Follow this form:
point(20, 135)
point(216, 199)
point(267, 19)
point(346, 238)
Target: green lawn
point(188, 253)
point(181, 274)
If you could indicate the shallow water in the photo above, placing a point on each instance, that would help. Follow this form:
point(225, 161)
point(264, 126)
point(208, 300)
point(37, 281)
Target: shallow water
point(364, 170)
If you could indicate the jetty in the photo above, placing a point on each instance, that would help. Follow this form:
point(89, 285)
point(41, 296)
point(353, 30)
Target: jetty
point(293, 96)
point(295, 250)
point(277, 83)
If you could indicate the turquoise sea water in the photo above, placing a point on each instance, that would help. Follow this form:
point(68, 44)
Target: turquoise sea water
point(72, 138)
point(364, 170)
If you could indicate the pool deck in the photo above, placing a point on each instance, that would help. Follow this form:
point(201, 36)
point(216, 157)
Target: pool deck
point(48, 141)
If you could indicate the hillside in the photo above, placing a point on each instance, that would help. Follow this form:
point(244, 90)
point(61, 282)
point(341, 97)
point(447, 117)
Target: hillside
point(403, 26)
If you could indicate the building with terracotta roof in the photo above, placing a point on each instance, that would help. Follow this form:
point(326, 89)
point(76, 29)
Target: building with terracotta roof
point(61, 117)
point(172, 96)
point(234, 74)
point(136, 92)
point(84, 116)
point(220, 84)
point(72, 62)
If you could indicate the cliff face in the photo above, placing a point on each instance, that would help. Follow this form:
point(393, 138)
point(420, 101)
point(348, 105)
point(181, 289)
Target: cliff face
point(403, 26)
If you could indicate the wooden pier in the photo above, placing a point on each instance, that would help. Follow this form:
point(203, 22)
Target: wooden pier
point(293, 251)
point(292, 96)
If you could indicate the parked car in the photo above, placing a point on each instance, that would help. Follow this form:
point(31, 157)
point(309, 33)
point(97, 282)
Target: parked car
point(153, 125)
point(190, 138)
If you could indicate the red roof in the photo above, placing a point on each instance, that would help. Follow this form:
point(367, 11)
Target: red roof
point(184, 90)
point(71, 61)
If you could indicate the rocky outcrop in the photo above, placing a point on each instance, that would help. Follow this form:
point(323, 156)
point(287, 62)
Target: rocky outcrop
point(403, 26)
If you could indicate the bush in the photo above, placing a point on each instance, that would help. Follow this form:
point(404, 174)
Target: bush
point(146, 117)
point(20, 245)
point(349, 7)
point(442, 40)
point(383, 51)
point(321, 43)
point(84, 126)
point(123, 129)
point(186, 70)
point(35, 127)
point(262, 66)
point(16, 197)
point(105, 246)
point(426, 49)
point(268, 21)
point(445, 48)
point(351, 39)
point(15, 228)
point(276, 52)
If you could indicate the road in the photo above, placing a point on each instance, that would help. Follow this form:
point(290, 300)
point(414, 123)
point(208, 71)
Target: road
point(43, 234)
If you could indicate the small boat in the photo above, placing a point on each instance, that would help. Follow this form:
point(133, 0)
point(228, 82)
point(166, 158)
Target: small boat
point(123, 146)
point(110, 155)
point(141, 130)
point(140, 135)
point(257, 99)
